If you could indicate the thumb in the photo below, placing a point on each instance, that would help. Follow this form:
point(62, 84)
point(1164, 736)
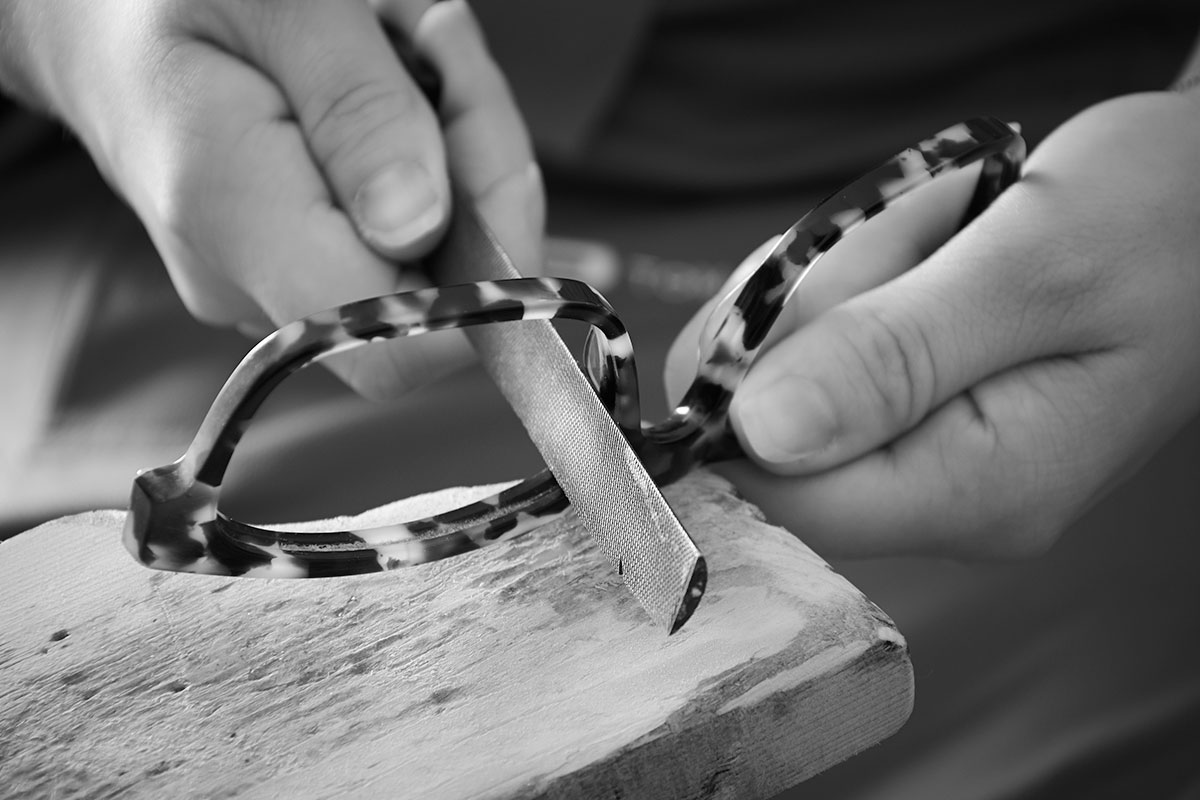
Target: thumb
point(486, 139)
point(873, 367)
point(365, 120)
point(854, 378)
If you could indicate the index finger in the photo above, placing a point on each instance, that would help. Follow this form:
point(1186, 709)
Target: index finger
point(366, 124)
point(488, 145)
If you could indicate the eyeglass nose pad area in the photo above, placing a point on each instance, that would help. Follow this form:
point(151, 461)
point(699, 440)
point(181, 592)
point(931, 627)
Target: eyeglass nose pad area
point(595, 359)
point(609, 367)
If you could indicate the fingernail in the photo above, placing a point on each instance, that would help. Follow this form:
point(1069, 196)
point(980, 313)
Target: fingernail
point(398, 206)
point(790, 419)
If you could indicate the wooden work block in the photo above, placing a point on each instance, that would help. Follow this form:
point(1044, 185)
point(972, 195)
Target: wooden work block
point(522, 670)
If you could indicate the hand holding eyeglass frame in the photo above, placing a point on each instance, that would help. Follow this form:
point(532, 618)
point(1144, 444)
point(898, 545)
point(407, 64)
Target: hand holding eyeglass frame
point(175, 523)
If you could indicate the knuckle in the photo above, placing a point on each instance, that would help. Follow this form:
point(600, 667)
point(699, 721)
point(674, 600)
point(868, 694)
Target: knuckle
point(275, 22)
point(196, 287)
point(1064, 278)
point(344, 122)
point(997, 500)
point(896, 359)
point(1061, 273)
point(178, 203)
point(200, 247)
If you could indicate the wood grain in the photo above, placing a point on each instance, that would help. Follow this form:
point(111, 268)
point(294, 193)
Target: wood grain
point(522, 670)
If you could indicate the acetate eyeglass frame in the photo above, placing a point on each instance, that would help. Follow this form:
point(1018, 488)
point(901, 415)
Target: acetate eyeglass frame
point(175, 523)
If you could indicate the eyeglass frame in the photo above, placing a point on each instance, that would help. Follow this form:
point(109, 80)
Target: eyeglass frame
point(174, 521)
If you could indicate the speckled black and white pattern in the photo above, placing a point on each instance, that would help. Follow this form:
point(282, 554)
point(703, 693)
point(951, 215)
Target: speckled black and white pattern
point(174, 522)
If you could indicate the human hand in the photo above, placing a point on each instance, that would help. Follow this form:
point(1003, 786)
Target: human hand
point(975, 400)
point(279, 155)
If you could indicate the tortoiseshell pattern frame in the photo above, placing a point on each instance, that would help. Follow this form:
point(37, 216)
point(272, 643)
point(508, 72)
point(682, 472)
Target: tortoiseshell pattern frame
point(175, 524)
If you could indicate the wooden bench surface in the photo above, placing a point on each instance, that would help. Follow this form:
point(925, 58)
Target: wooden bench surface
point(525, 669)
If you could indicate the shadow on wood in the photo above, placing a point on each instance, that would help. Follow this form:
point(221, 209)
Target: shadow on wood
point(522, 670)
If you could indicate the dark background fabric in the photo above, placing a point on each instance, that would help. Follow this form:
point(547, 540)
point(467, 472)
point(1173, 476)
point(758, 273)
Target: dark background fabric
point(712, 97)
point(27, 139)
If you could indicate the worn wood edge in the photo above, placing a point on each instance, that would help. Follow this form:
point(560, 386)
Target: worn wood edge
point(738, 752)
point(731, 735)
point(876, 677)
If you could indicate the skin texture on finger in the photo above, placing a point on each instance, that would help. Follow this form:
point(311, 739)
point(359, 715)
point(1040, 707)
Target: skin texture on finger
point(185, 178)
point(244, 200)
point(244, 204)
point(365, 121)
point(489, 146)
